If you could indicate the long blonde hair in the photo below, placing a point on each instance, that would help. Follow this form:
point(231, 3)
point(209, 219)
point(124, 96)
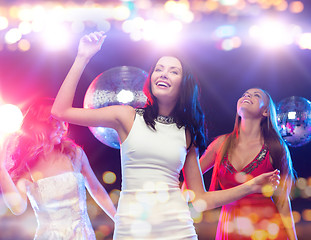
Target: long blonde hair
point(33, 139)
point(272, 139)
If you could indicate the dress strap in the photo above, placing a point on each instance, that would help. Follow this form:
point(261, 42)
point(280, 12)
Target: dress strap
point(77, 161)
point(29, 172)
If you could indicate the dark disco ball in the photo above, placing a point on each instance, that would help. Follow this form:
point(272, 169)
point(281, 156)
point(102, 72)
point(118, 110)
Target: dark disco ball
point(116, 86)
point(294, 120)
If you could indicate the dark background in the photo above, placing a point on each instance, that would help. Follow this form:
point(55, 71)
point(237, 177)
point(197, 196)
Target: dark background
point(223, 75)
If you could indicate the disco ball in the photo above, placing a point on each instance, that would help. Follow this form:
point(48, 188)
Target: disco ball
point(117, 86)
point(294, 120)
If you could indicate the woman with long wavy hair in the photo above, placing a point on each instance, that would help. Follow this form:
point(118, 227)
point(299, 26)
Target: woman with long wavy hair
point(253, 147)
point(41, 163)
point(157, 142)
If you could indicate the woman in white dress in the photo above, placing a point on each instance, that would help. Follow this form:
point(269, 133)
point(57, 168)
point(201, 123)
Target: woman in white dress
point(157, 142)
point(53, 172)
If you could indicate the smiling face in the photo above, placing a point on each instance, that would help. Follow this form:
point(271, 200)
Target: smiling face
point(166, 79)
point(253, 103)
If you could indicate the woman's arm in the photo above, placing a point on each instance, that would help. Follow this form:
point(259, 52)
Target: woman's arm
point(283, 204)
point(62, 108)
point(285, 211)
point(14, 197)
point(96, 190)
point(116, 117)
point(207, 160)
point(209, 200)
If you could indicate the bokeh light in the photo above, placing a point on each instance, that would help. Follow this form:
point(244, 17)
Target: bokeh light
point(197, 216)
point(11, 118)
point(13, 36)
point(301, 183)
point(304, 41)
point(56, 37)
point(200, 205)
point(92, 209)
point(121, 13)
point(306, 214)
point(25, 27)
point(297, 216)
point(24, 45)
point(102, 231)
point(4, 23)
point(109, 177)
point(267, 190)
point(162, 23)
point(114, 195)
point(296, 7)
point(244, 226)
point(272, 33)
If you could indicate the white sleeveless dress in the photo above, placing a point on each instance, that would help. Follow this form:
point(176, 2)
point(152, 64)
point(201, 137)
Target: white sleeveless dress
point(59, 203)
point(151, 205)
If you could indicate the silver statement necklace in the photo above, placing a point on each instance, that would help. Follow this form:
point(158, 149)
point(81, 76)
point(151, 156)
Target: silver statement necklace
point(165, 119)
point(159, 118)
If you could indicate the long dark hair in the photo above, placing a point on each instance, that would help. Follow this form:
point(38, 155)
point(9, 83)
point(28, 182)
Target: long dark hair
point(33, 139)
point(272, 139)
point(187, 112)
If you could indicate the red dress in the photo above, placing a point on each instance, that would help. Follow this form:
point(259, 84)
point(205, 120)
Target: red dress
point(254, 216)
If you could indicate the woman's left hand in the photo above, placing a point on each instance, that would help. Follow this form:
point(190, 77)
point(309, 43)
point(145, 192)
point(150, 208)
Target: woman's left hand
point(265, 182)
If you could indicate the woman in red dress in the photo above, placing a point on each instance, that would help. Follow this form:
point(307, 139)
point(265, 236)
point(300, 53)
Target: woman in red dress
point(252, 148)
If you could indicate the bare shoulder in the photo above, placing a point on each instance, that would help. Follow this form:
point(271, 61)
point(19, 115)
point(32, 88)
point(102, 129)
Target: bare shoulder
point(79, 152)
point(126, 118)
point(218, 141)
point(24, 180)
point(126, 110)
point(215, 145)
point(126, 114)
point(208, 159)
point(81, 158)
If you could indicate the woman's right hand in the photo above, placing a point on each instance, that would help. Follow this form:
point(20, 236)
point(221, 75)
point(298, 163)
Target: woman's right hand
point(90, 44)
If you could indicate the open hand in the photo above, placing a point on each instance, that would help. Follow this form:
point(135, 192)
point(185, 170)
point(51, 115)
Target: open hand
point(90, 44)
point(266, 183)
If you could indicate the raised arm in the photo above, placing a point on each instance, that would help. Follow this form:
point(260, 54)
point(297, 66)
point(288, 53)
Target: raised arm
point(62, 108)
point(116, 117)
point(14, 198)
point(209, 200)
point(96, 190)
